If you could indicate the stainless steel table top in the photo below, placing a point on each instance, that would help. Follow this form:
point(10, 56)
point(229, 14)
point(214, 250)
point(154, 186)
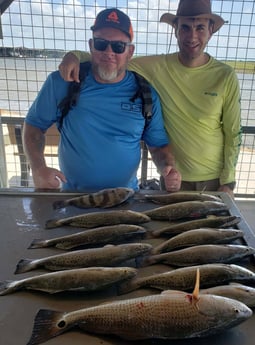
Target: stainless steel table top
point(23, 216)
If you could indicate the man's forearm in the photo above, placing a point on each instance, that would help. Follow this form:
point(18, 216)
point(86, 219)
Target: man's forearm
point(162, 157)
point(34, 143)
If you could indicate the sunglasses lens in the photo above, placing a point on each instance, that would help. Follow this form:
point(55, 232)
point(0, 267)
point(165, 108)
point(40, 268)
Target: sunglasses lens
point(118, 47)
point(100, 45)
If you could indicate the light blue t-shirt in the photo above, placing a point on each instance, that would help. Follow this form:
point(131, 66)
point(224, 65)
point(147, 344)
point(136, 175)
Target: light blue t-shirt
point(100, 137)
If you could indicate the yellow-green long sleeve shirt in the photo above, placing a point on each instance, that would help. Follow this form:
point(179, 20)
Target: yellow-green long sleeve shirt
point(201, 109)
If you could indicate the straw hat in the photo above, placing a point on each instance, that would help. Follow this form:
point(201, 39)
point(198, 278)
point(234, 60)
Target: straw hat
point(194, 9)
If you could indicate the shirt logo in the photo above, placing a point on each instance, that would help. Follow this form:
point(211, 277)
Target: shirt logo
point(214, 94)
point(137, 108)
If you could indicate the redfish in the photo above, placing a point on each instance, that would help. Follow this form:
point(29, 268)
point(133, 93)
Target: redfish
point(104, 198)
point(169, 315)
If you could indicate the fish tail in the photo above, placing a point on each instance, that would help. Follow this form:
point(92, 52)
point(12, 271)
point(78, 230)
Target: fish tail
point(59, 204)
point(48, 324)
point(52, 223)
point(24, 265)
point(38, 243)
point(128, 286)
point(7, 286)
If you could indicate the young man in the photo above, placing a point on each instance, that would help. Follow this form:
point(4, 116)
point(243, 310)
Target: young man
point(200, 99)
point(100, 136)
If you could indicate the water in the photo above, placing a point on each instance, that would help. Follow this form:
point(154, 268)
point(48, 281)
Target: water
point(21, 79)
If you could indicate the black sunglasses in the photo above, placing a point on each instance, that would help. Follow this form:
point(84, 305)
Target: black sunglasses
point(118, 47)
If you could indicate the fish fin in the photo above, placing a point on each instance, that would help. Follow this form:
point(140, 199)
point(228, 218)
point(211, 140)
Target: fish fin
point(52, 223)
point(59, 204)
point(128, 286)
point(37, 243)
point(24, 265)
point(47, 324)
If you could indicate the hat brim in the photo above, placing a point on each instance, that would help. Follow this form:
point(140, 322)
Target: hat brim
point(171, 19)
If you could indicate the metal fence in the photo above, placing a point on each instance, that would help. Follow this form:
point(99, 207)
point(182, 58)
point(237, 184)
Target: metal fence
point(36, 34)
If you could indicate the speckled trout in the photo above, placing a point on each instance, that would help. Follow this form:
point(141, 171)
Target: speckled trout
point(95, 219)
point(240, 292)
point(210, 221)
point(104, 198)
point(82, 279)
point(169, 315)
point(172, 198)
point(198, 236)
point(184, 278)
point(92, 237)
point(186, 209)
point(201, 254)
point(109, 255)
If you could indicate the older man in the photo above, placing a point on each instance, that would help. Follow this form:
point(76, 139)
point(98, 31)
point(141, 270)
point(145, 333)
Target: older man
point(100, 136)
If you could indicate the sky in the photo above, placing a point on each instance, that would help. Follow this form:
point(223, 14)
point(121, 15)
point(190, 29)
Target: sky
point(65, 25)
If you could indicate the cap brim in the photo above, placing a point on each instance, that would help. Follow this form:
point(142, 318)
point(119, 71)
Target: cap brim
point(170, 19)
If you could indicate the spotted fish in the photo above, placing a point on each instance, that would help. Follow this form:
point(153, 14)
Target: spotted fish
point(169, 315)
point(95, 219)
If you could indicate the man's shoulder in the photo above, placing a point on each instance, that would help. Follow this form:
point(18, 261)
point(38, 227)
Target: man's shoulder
point(223, 65)
point(151, 59)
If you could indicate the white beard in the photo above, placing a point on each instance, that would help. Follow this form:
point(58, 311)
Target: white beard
point(107, 75)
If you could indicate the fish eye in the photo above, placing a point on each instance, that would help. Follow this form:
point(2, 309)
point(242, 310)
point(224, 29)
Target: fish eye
point(62, 324)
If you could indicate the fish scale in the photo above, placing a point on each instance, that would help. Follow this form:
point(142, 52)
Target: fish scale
point(186, 209)
point(169, 315)
point(109, 255)
point(183, 278)
point(95, 219)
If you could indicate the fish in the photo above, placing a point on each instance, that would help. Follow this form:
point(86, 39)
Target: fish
point(201, 254)
point(82, 279)
point(240, 292)
point(172, 198)
point(168, 315)
point(198, 236)
point(211, 221)
point(109, 255)
point(96, 219)
point(92, 237)
point(183, 278)
point(104, 198)
point(186, 209)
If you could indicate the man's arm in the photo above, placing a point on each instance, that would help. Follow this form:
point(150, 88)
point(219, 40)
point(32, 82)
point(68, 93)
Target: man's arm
point(34, 144)
point(231, 122)
point(165, 163)
point(70, 65)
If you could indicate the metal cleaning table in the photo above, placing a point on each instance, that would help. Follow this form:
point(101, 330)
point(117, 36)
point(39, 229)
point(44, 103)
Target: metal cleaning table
point(23, 216)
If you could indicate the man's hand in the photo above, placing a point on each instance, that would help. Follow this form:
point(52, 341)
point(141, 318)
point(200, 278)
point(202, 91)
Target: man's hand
point(69, 68)
point(226, 189)
point(172, 179)
point(48, 178)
